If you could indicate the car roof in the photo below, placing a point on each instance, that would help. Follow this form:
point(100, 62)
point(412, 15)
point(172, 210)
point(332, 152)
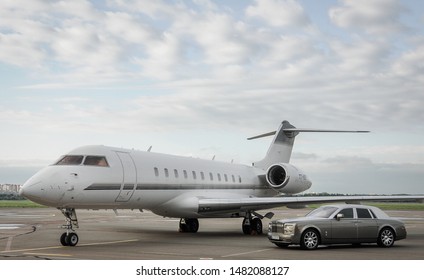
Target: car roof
point(380, 213)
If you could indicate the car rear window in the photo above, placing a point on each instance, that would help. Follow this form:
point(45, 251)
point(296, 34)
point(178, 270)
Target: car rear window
point(363, 213)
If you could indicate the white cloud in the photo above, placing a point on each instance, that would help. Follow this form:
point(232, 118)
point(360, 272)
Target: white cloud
point(377, 17)
point(279, 13)
point(411, 63)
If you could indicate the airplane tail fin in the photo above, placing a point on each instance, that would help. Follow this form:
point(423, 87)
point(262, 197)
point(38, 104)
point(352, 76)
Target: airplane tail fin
point(281, 146)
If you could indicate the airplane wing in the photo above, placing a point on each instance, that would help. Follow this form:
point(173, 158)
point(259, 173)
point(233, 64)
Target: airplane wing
point(216, 206)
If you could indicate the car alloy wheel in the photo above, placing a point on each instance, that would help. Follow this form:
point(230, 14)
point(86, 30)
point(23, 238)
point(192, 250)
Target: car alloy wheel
point(386, 238)
point(310, 239)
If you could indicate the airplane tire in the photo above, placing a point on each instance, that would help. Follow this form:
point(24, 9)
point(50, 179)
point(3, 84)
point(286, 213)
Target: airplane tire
point(63, 239)
point(193, 225)
point(72, 239)
point(246, 227)
point(189, 225)
point(256, 226)
point(252, 228)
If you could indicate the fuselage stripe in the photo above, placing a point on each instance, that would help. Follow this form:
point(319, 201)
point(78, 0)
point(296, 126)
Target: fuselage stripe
point(117, 187)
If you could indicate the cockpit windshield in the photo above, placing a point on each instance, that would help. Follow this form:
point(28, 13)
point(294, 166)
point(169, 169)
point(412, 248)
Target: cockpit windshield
point(70, 160)
point(96, 161)
point(78, 160)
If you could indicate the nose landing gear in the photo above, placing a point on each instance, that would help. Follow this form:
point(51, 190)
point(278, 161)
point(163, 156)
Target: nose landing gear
point(69, 238)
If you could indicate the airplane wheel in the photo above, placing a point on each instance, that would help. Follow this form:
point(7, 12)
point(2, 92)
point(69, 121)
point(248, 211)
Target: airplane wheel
point(63, 239)
point(246, 226)
point(193, 225)
point(72, 239)
point(252, 227)
point(256, 226)
point(189, 225)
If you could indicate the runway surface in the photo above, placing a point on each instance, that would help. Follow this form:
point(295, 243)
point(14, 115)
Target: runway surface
point(33, 233)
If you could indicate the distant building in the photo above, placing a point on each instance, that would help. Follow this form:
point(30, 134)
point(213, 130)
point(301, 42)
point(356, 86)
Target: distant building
point(10, 187)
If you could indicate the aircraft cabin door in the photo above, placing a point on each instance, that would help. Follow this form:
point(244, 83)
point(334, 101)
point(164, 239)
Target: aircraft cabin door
point(129, 177)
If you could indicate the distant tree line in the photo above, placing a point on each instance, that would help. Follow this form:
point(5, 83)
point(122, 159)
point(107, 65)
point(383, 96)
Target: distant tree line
point(10, 196)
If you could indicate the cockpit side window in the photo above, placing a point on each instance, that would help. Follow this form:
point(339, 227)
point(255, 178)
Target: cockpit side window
point(70, 160)
point(96, 161)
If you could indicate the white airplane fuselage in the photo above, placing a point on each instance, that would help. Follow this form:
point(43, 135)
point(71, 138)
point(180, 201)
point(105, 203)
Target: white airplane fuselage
point(167, 185)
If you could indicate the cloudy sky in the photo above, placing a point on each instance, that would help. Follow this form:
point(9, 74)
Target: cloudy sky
point(196, 78)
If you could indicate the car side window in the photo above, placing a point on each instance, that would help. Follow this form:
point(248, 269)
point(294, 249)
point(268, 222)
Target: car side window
point(347, 213)
point(363, 213)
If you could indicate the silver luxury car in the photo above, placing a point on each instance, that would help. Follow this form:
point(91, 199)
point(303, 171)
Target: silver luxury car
point(337, 224)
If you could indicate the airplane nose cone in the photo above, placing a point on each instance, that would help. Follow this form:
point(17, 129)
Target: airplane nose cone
point(31, 190)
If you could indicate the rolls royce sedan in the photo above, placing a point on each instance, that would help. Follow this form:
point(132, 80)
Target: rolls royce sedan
point(337, 224)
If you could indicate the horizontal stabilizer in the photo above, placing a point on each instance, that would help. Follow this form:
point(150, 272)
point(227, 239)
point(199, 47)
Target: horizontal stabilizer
point(291, 130)
point(262, 135)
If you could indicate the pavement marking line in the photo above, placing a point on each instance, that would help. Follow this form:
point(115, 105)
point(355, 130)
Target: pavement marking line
point(58, 247)
point(52, 255)
point(246, 253)
point(109, 242)
point(9, 243)
point(170, 254)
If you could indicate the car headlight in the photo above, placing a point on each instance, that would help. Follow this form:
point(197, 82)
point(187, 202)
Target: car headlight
point(289, 228)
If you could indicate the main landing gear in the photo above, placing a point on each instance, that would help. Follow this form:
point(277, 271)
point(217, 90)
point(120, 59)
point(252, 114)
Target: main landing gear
point(69, 238)
point(252, 223)
point(189, 225)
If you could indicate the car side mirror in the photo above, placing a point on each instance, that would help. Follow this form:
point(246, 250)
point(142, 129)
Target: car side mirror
point(339, 216)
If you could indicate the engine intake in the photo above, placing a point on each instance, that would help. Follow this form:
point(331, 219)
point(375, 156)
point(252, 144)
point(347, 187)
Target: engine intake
point(286, 178)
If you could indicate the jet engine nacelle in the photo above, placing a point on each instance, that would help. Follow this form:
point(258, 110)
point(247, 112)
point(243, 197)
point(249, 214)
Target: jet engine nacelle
point(286, 178)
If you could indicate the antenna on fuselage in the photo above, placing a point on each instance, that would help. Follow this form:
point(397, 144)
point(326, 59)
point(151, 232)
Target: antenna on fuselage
point(149, 149)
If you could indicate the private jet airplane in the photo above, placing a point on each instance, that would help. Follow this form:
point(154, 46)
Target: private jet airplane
point(100, 177)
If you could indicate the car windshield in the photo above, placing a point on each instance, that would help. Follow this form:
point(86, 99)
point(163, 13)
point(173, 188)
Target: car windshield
point(322, 212)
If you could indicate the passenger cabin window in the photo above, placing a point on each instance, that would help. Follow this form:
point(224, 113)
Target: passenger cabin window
point(348, 213)
point(70, 160)
point(211, 176)
point(234, 180)
point(225, 177)
point(96, 161)
point(166, 172)
point(156, 172)
point(202, 175)
point(219, 177)
point(363, 213)
point(185, 174)
point(194, 175)
point(176, 173)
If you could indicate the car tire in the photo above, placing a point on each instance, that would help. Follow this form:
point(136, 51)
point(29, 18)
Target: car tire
point(386, 238)
point(310, 239)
